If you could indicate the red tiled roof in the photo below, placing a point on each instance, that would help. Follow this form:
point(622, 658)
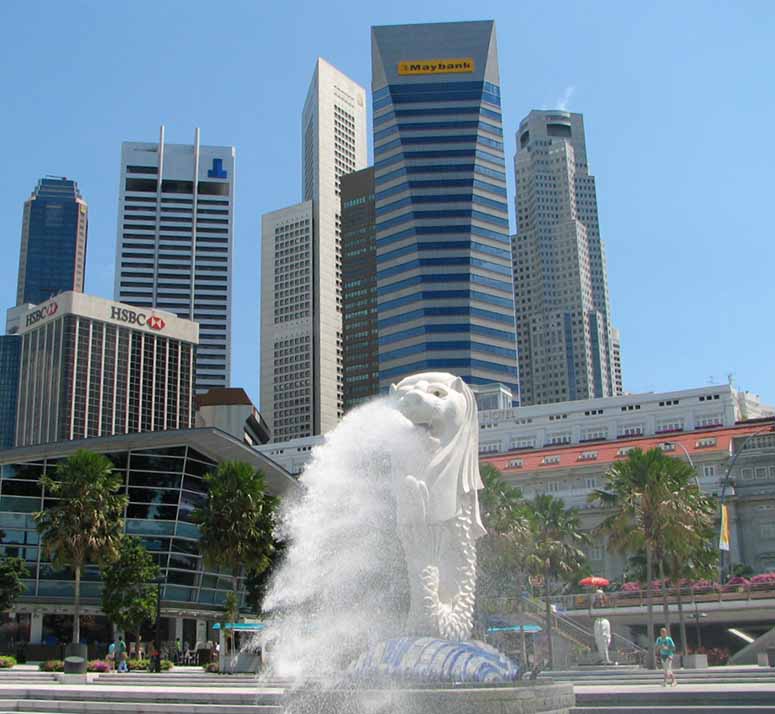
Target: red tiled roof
point(611, 451)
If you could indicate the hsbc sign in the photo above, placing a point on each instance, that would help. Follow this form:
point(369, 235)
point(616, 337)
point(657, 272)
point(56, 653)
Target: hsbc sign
point(130, 317)
point(41, 313)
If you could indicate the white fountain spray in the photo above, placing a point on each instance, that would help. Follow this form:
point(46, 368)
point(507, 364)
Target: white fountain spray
point(342, 585)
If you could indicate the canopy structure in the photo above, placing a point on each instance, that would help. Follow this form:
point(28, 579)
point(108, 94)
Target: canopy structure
point(241, 626)
point(529, 629)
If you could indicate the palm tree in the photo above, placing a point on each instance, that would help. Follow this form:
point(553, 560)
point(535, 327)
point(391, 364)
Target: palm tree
point(500, 553)
point(555, 546)
point(646, 495)
point(236, 522)
point(691, 554)
point(86, 521)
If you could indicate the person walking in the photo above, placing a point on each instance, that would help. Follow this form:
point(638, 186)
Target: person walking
point(666, 649)
point(112, 655)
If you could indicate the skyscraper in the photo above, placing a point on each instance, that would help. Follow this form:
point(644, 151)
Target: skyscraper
point(359, 297)
point(561, 286)
point(304, 326)
point(53, 250)
point(10, 351)
point(444, 275)
point(175, 241)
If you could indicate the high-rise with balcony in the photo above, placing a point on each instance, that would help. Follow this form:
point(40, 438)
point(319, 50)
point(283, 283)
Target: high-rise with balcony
point(52, 258)
point(301, 266)
point(444, 275)
point(565, 335)
point(175, 241)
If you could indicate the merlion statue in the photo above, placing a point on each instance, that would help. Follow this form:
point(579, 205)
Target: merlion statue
point(438, 510)
point(602, 630)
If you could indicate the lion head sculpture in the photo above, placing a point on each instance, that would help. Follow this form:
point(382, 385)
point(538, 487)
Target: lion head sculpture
point(445, 407)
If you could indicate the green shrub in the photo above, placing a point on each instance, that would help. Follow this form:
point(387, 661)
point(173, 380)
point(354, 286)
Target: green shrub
point(211, 667)
point(52, 665)
point(7, 662)
point(144, 664)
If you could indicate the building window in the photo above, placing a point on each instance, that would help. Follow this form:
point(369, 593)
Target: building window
point(590, 482)
point(514, 464)
point(555, 459)
point(767, 531)
point(705, 443)
point(587, 456)
point(709, 471)
point(669, 425)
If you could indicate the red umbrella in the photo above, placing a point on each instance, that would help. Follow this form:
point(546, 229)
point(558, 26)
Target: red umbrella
point(594, 581)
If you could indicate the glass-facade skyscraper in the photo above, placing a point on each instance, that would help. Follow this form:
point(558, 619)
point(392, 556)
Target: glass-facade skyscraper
point(10, 351)
point(359, 297)
point(444, 274)
point(52, 259)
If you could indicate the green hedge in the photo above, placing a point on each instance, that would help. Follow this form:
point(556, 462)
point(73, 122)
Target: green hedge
point(6, 662)
point(52, 665)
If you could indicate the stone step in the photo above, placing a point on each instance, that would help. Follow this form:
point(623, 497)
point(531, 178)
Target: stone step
point(698, 709)
point(47, 706)
point(657, 680)
point(692, 696)
point(150, 695)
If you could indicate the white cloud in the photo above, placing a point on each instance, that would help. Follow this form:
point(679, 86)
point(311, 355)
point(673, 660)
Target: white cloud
point(567, 95)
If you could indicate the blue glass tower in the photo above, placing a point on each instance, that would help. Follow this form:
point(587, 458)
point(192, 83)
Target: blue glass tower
point(52, 259)
point(10, 350)
point(444, 271)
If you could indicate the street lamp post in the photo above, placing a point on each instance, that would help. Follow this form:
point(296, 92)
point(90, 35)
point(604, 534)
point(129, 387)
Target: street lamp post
point(725, 482)
point(688, 458)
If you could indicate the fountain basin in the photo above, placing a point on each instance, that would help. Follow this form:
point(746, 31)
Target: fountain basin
point(517, 698)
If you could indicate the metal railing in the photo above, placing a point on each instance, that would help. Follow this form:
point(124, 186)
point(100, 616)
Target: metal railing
point(690, 594)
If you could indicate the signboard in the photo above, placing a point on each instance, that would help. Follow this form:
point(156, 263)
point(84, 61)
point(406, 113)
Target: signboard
point(458, 65)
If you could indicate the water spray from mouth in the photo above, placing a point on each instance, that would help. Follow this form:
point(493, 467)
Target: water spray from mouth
point(343, 583)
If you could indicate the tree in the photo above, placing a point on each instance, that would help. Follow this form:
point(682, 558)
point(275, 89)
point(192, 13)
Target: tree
point(129, 595)
point(648, 511)
point(500, 553)
point(257, 582)
point(237, 523)
point(12, 572)
point(86, 521)
point(555, 547)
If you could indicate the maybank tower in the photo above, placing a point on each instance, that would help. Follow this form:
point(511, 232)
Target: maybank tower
point(444, 270)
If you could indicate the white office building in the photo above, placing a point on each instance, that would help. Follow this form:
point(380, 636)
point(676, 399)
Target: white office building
point(175, 241)
point(581, 422)
point(93, 367)
point(301, 266)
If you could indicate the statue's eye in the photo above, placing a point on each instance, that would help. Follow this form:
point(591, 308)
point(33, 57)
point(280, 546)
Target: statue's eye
point(440, 393)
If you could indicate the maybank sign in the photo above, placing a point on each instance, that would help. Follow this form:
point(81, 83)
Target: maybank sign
point(458, 65)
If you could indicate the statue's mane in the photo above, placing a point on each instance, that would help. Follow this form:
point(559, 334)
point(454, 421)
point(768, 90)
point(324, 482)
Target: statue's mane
point(452, 477)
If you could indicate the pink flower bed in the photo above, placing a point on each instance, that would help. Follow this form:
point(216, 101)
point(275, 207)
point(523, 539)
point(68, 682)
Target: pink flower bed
point(763, 579)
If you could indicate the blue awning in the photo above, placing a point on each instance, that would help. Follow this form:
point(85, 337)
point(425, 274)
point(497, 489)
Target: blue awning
point(529, 629)
point(242, 626)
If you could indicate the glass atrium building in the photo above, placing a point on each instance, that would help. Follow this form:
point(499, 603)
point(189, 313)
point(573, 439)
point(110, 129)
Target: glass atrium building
point(162, 473)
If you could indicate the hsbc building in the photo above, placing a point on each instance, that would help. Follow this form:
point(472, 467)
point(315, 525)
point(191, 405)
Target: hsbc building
point(94, 367)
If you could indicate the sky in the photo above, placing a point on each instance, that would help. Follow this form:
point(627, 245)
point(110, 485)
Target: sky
point(676, 98)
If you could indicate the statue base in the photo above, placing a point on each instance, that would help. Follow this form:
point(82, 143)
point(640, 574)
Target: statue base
point(430, 660)
point(516, 698)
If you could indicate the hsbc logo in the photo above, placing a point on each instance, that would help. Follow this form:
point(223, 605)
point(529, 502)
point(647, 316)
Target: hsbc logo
point(130, 317)
point(41, 314)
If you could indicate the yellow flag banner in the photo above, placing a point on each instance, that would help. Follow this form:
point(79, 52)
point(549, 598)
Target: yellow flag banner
point(723, 542)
